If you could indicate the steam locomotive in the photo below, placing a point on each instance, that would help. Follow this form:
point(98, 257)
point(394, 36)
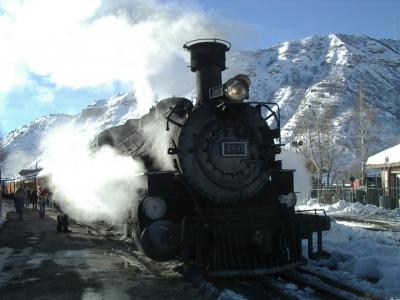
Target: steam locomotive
point(222, 201)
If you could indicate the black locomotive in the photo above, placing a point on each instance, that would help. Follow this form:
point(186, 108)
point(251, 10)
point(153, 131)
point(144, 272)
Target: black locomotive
point(225, 204)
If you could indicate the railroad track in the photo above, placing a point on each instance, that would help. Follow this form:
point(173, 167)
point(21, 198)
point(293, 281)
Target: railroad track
point(310, 284)
point(378, 225)
point(328, 287)
point(270, 287)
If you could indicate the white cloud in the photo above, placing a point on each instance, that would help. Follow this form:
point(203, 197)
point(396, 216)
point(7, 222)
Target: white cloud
point(44, 95)
point(87, 43)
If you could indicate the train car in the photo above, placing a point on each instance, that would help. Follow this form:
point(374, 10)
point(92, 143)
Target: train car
point(9, 186)
point(217, 198)
point(30, 179)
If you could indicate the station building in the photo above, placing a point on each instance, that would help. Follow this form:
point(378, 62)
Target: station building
point(29, 178)
point(387, 162)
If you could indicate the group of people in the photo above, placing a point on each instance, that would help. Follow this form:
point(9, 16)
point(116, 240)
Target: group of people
point(23, 197)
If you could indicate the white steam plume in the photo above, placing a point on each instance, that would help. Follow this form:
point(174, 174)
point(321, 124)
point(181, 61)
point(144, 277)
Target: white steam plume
point(158, 141)
point(90, 44)
point(302, 177)
point(15, 161)
point(89, 185)
point(93, 43)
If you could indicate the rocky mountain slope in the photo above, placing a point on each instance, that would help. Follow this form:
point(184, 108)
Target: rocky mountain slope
point(24, 146)
point(321, 78)
point(328, 72)
point(317, 76)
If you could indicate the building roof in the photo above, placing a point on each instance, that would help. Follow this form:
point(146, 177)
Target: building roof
point(29, 172)
point(387, 158)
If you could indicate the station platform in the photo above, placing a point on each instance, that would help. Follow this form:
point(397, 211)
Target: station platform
point(37, 262)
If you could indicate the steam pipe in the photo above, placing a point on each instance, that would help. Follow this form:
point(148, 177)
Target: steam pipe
point(207, 60)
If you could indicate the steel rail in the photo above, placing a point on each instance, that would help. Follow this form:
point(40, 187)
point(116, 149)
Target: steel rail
point(339, 284)
point(327, 286)
point(382, 225)
point(271, 283)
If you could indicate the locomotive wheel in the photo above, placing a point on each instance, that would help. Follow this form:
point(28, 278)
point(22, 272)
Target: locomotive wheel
point(160, 241)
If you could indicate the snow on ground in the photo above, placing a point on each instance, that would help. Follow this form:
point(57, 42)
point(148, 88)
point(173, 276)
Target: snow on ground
point(6, 207)
point(369, 259)
point(348, 208)
point(230, 295)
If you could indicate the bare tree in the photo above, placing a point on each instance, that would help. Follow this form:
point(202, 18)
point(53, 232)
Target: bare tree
point(364, 121)
point(320, 146)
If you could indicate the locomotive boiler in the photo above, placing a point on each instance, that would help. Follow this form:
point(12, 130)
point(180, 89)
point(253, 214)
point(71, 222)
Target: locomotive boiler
point(222, 201)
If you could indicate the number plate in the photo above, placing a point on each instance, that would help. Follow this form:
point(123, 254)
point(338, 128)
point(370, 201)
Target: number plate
point(234, 149)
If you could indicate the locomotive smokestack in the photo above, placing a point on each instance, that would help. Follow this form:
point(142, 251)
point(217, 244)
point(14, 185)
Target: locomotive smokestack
point(207, 59)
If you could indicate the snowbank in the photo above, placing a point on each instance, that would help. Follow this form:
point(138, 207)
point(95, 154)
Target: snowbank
point(7, 206)
point(369, 259)
point(356, 208)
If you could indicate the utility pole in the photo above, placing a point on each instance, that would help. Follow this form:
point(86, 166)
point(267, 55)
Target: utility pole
point(362, 135)
point(365, 120)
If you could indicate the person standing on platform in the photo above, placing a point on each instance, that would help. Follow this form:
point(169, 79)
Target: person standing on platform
point(42, 199)
point(27, 198)
point(49, 198)
point(20, 199)
point(34, 199)
point(62, 219)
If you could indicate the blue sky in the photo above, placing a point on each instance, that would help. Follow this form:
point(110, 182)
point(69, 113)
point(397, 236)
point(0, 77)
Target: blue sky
point(280, 20)
point(61, 55)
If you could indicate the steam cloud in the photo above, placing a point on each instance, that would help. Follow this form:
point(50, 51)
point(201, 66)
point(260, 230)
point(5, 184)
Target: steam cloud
point(89, 185)
point(92, 44)
point(302, 177)
point(15, 161)
point(158, 140)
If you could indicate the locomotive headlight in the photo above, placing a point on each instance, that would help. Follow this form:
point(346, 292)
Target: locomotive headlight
point(237, 88)
point(154, 207)
point(290, 199)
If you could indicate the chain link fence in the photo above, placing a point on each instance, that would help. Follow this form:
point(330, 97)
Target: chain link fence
point(388, 198)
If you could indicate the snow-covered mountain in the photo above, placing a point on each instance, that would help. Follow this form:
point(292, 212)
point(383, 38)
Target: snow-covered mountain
point(105, 113)
point(322, 76)
point(326, 73)
point(23, 146)
point(321, 73)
